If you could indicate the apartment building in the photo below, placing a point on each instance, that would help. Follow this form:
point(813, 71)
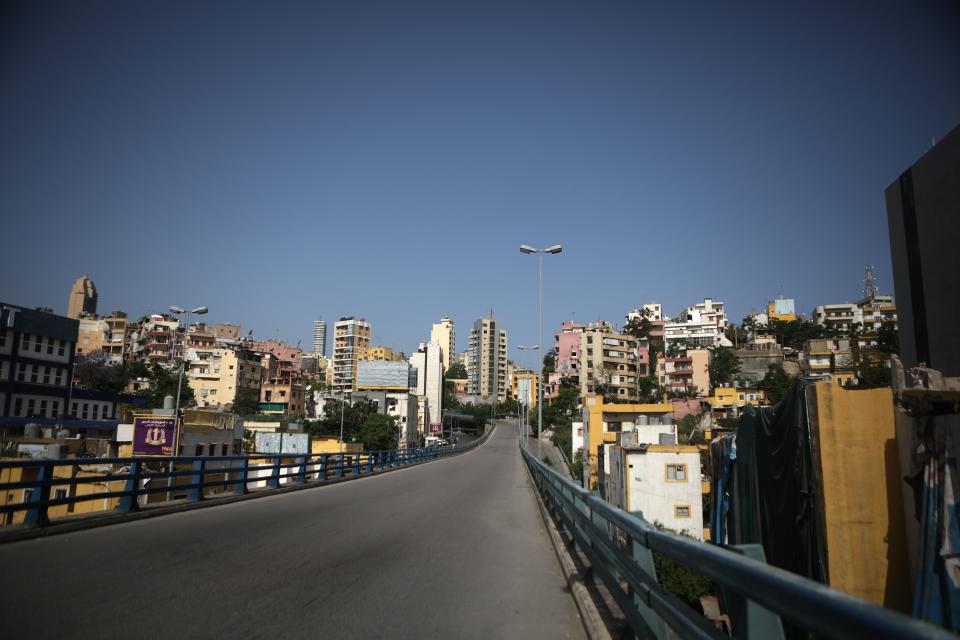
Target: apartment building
point(36, 362)
point(216, 374)
point(227, 333)
point(380, 354)
point(108, 336)
point(686, 373)
point(869, 314)
point(607, 362)
point(661, 482)
point(829, 358)
point(444, 334)
point(83, 298)
point(320, 337)
point(157, 339)
point(487, 360)
point(567, 346)
point(524, 387)
point(701, 325)
point(350, 336)
point(427, 363)
point(281, 387)
point(281, 350)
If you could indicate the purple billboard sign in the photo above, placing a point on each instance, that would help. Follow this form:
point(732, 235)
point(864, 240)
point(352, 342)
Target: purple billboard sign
point(436, 427)
point(154, 436)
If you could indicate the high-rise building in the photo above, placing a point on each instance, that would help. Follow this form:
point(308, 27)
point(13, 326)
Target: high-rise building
point(444, 334)
point(487, 361)
point(428, 363)
point(83, 298)
point(320, 337)
point(922, 207)
point(349, 336)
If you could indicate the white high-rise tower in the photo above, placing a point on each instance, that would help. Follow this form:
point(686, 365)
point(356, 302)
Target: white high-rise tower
point(320, 337)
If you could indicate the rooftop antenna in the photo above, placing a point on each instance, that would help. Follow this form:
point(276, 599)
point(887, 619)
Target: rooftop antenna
point(869, 283)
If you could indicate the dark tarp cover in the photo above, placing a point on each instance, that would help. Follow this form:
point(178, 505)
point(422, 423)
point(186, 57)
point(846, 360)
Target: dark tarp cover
point(765, 487)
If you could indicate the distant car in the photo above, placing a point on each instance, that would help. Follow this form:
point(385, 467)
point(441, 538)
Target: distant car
point(441, 443)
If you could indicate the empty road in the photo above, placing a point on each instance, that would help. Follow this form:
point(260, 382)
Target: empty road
point(453, 548)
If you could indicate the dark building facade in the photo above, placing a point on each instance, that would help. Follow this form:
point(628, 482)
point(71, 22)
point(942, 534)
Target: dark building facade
point(36, 362)
point(923, 213)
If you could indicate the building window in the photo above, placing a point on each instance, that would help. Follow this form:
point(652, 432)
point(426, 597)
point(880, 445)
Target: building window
point(30, 406)
point(96, 411)
point(73, 410)
point(38, 345)
point(223, 449)
point(43, 408)
point(614, 426)
point(59, 494)
point(199, 450)
point(21, 372)
point(55, 409)
point(17, 406)
point(49, 347)
point(3, 338)
point(25, 342)
point(58, 380)
point(61, 346)
point(681, 511)
point(676, 473)
point(46, 375)
point(84, 412)
point(34, 372)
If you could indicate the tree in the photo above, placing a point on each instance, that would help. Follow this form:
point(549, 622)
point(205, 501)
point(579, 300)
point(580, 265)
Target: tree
point(873, 373)
point(724, 365)
point(163, 383)
point(687, 428)
point(379, 432)
point(354, 416)
point(678, 348)
point(888, 338)
point(95, 371)
point(678, 579)
point(456, 372)
point(648, 389)
point(576, 466)
point(639, 326)
point(550, 362)
point(775, 383)
point(246, 402)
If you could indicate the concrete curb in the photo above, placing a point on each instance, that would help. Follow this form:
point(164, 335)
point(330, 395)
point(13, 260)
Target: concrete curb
point(92, 522)
point(593, 624)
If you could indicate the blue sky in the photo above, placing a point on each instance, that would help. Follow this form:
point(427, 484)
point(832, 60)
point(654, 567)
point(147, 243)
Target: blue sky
point(280, 162)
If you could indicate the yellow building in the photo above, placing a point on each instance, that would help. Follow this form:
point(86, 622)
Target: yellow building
point(380, 354)
point(603, 422)
point(739, 397)
point(91, 470)
point(529, 388)
point(331, 444)
point(782, 309)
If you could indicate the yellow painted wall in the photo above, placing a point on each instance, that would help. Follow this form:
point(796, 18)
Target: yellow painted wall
point(862, 509)
point(330, 444)
point(595, 410)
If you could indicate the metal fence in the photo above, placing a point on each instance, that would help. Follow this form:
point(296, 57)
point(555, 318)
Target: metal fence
point(759, 598)
point(34, 492)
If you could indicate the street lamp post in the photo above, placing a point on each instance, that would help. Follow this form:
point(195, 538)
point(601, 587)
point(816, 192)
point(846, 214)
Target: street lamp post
point(521, 347)
point(178, 311)
point(525, 248)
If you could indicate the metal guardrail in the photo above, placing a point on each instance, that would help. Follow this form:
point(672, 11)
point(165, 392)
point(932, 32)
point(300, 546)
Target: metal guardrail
point(758, 597)
point(54, 483)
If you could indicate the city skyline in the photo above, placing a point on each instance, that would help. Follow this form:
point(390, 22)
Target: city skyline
point(697, 155)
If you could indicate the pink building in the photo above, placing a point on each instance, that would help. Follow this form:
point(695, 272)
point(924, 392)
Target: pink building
point(567, 343)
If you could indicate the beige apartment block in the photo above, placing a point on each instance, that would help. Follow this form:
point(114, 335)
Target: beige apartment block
point(444, 334)
point(608, 363)
point(487, 361)
point(350, 335)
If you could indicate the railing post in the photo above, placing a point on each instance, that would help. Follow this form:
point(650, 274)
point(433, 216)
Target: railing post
point(356, 464)
point(323, 466)
point(380, 460)
point(274, 481)
point(750, 621)
point(196, 492)
point(131, 489)
point(37, 516)
point(240, 486)
point(340, 465)
point(302, 471)
point(369, 462)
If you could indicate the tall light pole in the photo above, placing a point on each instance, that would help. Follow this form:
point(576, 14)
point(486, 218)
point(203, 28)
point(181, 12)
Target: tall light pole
point(178, 311)
point(521, 347)
point(525, 248)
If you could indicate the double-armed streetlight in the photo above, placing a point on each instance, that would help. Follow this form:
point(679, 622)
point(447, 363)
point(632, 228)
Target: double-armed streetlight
point(525, 248)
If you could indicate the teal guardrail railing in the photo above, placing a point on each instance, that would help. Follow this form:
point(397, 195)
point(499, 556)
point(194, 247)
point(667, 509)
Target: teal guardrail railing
point(760, 599)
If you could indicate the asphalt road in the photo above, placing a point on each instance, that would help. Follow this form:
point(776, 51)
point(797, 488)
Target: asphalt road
point(452, 549)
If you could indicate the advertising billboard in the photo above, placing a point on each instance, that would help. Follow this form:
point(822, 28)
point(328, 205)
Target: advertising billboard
point(436, 427)
point(154, 436)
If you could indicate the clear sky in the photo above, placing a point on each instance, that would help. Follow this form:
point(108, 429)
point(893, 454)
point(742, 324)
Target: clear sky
point(282, 161)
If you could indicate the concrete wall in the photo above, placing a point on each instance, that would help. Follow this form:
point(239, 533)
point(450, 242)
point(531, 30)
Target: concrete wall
point(856, 461)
